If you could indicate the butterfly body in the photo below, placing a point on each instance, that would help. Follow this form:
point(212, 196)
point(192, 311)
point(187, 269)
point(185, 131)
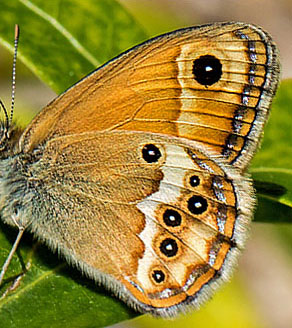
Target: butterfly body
point(135, 174)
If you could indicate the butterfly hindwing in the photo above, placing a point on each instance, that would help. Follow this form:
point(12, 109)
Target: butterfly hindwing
point(179, 208)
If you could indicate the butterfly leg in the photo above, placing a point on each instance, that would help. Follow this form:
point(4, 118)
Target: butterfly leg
point(13, 250)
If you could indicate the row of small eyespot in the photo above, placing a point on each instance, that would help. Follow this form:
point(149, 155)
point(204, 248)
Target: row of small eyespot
point(196, 205)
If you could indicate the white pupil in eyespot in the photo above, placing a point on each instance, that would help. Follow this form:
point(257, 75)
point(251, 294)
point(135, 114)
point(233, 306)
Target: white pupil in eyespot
point(169, 247)
point(198, 205)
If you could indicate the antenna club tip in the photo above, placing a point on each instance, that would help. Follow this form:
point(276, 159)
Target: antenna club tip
point(16, 31)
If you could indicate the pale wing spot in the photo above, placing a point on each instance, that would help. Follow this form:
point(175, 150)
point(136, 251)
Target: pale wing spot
point(175, 156)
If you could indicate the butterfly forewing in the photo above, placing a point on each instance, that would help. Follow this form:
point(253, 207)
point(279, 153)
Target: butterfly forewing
point(212, 84)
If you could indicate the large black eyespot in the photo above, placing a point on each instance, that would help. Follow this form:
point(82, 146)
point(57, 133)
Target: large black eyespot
point(197, 204)
point(172, 218)
point(151, 153)
point(158, 276)
point(194, 180)
point(169, 247)
point(207, 70)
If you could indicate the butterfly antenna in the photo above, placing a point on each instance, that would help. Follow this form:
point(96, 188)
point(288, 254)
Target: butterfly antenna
point(16, 38)
point(8, 123)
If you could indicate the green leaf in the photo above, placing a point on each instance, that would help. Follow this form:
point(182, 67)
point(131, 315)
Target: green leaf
point(62, 41)
point(272, 166)
point(276, 148)
point(274, 195)
point(277, 185)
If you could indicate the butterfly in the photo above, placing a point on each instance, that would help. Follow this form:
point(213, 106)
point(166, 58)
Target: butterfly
point(137, 176)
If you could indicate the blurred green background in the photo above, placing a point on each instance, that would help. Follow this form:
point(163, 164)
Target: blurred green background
point(260, 294)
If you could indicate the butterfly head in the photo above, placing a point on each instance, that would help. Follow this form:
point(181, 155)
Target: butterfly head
point(9, 135)
point(5, 131)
